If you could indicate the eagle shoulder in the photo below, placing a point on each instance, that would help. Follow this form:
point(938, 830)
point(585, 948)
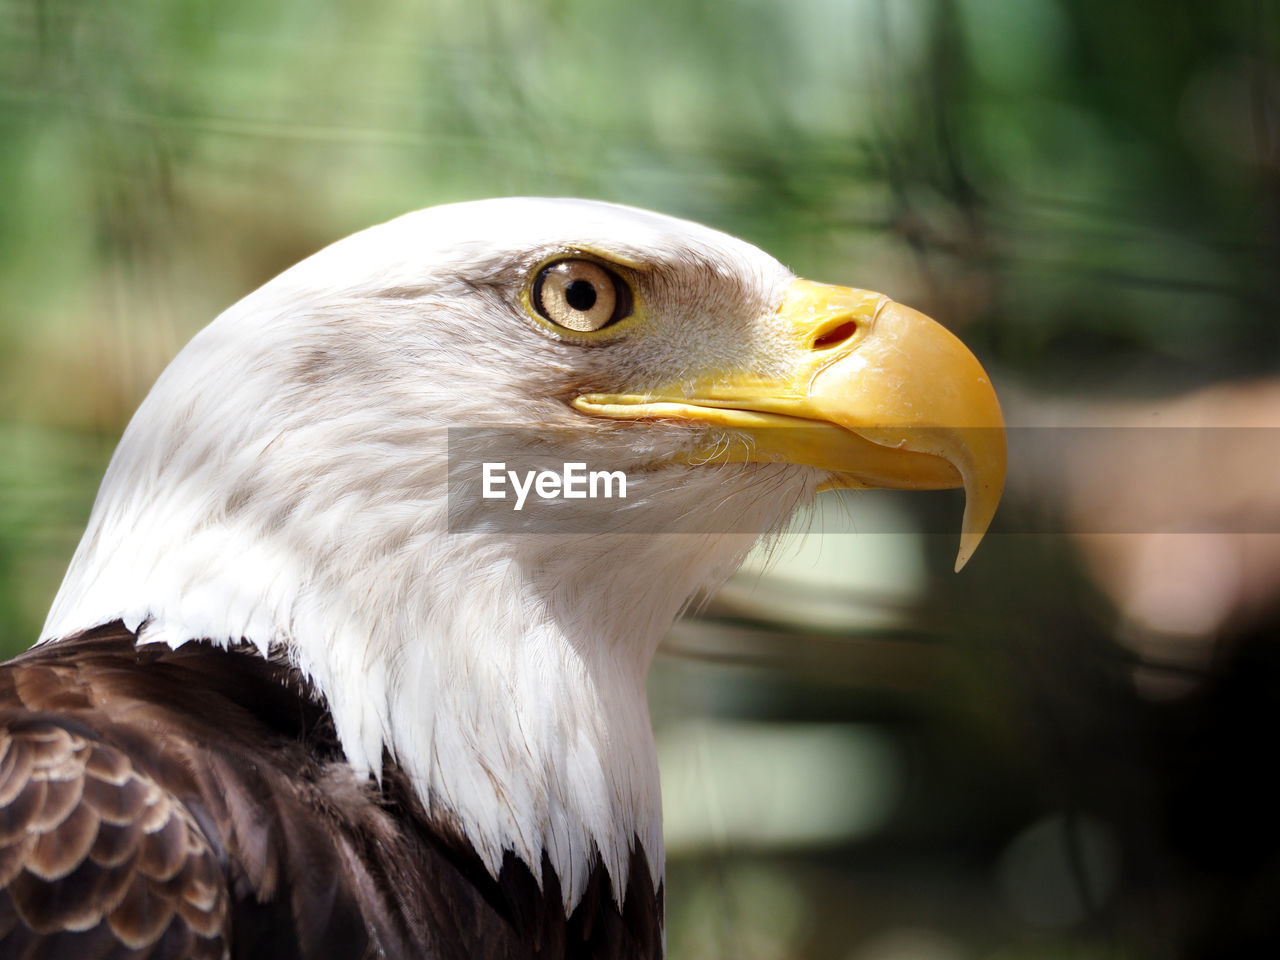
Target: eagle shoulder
point(96, 858)
point(164, 803)
point(195, 803)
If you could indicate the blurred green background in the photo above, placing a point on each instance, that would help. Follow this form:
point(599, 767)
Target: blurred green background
point(1063, 751)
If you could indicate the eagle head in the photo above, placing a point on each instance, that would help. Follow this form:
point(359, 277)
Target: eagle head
point(307, 477)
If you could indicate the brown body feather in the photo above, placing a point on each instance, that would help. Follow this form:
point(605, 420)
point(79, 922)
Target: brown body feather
point(194, 803)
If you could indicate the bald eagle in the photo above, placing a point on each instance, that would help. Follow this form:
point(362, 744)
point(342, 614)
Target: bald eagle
point(305, 693)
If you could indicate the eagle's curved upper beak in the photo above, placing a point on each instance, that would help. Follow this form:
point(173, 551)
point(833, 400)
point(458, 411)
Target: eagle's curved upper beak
point(876, 393)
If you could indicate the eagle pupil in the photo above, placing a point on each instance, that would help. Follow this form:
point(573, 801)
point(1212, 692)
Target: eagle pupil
point(581, 295)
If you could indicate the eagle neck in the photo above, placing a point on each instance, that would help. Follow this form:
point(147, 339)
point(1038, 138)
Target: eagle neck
point(517, 710)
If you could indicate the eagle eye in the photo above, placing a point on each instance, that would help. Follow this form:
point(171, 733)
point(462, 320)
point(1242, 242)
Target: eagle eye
point(581, 295)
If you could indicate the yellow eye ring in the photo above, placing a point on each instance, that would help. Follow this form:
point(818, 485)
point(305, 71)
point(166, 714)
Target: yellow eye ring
point(581, 295)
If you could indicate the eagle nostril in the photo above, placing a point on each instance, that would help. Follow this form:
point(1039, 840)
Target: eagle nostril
point(835, 336)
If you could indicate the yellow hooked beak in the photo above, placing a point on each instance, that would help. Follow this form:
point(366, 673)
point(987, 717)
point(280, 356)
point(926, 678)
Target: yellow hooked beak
point(876, 393)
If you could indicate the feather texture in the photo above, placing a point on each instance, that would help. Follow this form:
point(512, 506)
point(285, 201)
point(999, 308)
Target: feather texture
point(195, 803)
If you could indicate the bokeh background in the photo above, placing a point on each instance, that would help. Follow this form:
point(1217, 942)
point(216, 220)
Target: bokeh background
point(1064, 751)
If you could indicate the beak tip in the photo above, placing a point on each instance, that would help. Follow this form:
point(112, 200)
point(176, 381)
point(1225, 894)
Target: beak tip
point(981, 501)
point(968, 544)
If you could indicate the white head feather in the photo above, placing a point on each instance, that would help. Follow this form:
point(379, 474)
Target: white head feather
point(284, 483)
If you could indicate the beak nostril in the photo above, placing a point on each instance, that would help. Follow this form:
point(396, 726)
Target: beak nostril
point(835, 335)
